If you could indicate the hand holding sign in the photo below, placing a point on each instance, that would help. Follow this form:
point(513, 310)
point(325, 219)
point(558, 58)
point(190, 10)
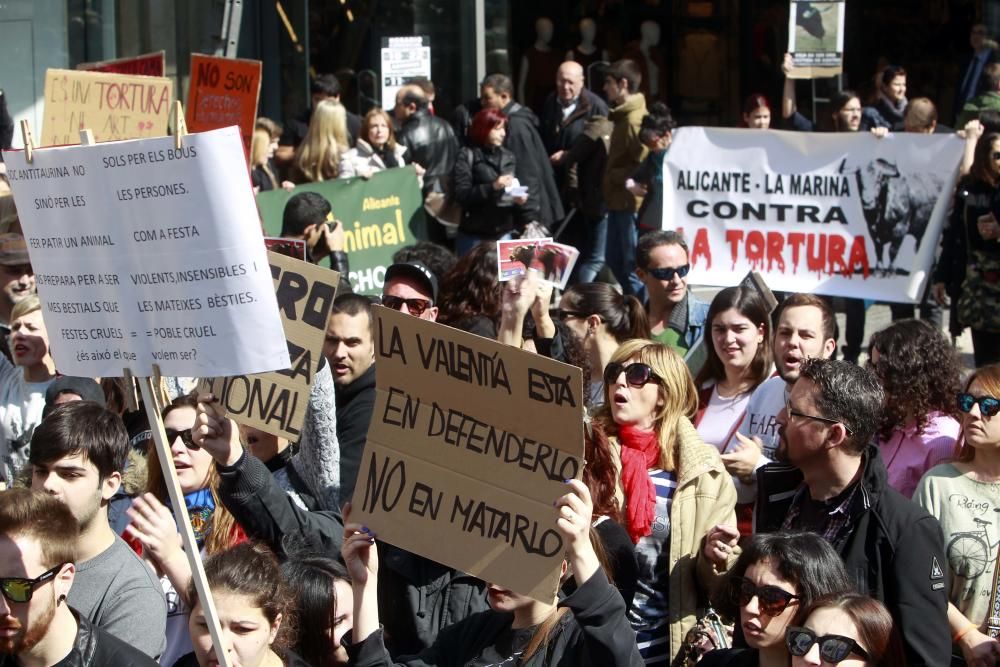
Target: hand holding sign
point(216, 433)
point(575, 512)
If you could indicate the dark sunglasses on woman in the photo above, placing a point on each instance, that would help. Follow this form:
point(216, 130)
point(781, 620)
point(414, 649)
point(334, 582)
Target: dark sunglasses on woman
point(184, 435)
point(988, 406)
point(636, 375)
point(832, 648)
point(771, 599)
point(415, 306)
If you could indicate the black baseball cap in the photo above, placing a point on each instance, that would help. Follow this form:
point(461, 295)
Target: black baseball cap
point(417, 271)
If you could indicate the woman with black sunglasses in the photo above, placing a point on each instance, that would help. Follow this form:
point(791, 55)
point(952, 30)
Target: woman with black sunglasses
point(673, 489)
point(964, 496)
point(775, 579)
point(848, 630)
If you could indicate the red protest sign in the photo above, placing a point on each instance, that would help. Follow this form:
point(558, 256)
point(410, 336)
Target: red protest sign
point(148, 64)
point(223, 92)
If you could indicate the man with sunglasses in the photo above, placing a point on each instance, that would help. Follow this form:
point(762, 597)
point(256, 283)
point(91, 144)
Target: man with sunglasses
point(832, 481)
point(78, 456)
point(411, 288)
point(676, 317)
point(37, 625)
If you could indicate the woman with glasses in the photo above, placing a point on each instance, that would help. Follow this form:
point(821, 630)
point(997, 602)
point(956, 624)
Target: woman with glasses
point(775, 579)
point(919, 372)
point(970, 254)
point(153, 529)
point(848, 630)
point(673, 487)
point(602, 318)
point(965, 497)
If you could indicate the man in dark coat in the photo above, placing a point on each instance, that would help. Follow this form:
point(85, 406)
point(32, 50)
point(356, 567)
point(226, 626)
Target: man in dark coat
point(533, 169)
point(834, 483)
point(429, 140)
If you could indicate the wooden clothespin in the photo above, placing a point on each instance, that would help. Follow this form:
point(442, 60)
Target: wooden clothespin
point(29, 141)
point(86, 138)
point(159, 390)
point(131, 401)
point(180, 127)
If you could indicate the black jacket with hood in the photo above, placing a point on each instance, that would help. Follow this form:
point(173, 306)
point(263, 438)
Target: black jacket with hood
point(895, 553)
point(532, 168)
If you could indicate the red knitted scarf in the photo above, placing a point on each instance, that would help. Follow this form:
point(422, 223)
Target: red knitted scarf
point(640, 452)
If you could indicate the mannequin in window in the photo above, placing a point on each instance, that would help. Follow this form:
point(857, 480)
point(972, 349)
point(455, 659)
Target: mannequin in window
point(647, 54)
point(587, 52)
point(538, 67)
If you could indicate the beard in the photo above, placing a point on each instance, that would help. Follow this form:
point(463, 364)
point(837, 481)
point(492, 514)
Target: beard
point(27, 638)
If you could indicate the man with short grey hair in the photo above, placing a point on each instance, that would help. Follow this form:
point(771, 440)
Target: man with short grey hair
point(833, 482)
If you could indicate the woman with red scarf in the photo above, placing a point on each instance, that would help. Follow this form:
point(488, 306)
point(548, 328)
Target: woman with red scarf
point(674, 490)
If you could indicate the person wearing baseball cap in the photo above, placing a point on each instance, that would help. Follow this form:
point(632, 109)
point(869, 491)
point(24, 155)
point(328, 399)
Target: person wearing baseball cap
point(411, 288)
point(17, 280)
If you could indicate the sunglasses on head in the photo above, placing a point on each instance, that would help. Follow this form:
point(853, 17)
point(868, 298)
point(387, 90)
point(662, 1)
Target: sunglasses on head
point(832, 648)
point(988, 405)
point(415, 306)
point(636, 375)
point(771, 599)
point(185, 436)
point(19, 589)
point(669, 272)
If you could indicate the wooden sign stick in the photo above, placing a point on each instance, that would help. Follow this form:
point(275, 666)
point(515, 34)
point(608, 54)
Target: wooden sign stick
point(28, 140)
point(180, 125)
point(149, 400)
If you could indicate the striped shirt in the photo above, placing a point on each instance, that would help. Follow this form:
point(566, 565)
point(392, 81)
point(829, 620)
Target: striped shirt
point(650, 611)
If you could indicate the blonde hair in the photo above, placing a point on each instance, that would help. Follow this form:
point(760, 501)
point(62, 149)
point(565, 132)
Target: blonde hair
point(677, 393)
point(318, 156)
point(259, 146)
point(25, 306)
point(989, 378)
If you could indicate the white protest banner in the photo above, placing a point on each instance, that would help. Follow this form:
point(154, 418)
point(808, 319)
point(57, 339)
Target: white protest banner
point(467, 450)
point(816, 38)
point(148, 254)
point(843, 214)
point(403, 59)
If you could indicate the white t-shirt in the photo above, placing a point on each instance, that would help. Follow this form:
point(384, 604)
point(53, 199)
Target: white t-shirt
point(718, 423)
point(761, 421)
point(21, 405)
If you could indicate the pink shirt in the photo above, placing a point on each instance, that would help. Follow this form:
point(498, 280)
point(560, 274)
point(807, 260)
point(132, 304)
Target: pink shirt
point(909, 455)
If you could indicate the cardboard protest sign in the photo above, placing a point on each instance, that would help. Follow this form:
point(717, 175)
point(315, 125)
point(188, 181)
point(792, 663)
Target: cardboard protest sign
point(148, 64)
point(467, 450)
point(147, 254)
point(840, 214)
point(380, 215)
point(276, 402)
point(816, 38)
point(112, 106)
point(223, 92)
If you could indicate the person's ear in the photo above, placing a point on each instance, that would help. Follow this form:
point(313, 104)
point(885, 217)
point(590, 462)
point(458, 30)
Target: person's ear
point(837, 435)
point(64, 581)
point(110, 485)
point(829, 347)
point(274, 629)
point(761, 333)
point(593, 321)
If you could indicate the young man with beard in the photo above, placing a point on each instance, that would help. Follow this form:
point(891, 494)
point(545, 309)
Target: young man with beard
point(78, 454)
point(832, 482)
point(37, 626)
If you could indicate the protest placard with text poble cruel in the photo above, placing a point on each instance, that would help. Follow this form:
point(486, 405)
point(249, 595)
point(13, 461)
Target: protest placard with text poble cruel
point(469, 446)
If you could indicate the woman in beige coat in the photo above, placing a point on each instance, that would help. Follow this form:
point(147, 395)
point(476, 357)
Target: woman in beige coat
point(674, 492)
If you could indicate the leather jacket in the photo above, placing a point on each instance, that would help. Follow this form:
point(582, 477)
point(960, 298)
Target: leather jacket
point(431, 143)
point(95, 648)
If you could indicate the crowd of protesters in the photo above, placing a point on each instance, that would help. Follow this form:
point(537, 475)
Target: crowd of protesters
point(774, 506)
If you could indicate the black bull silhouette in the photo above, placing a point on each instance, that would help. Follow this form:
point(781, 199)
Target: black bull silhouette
point(895, 205)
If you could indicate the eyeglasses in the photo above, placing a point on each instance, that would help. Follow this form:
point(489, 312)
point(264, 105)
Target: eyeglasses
point(772, 600)
point(832, 648)
point(795, 413)
point(669, 272)
point(415, 306)
point(185, 436)
point(636, 375)
point(19, 589)
point(562, 314)
point(988, 405)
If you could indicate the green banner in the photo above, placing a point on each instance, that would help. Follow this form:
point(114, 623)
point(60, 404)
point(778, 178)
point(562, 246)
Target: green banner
point(380, 215)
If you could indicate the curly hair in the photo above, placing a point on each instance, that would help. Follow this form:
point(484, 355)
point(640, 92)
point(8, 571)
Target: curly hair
point(918, 371)
point(472, 287)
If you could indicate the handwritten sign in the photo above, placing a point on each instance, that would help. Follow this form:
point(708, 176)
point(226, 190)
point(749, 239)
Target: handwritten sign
point(112, 106)
point(146, 254)
point(223, 92)
point(467, 450)
point(148, 64)
point(276, 402)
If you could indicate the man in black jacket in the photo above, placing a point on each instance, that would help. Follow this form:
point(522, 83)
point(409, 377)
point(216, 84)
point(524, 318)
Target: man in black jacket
point(350, 349)
point(37, 549)
point(532, 168)
point(429, 140)
point(833, 483)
